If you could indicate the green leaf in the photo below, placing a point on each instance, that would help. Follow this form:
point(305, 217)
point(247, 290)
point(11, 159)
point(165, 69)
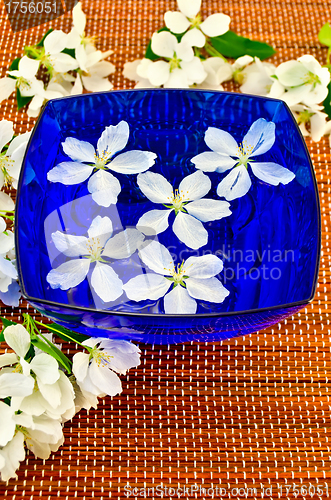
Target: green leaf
point(327, 102)
point(324, 35)
point(6, 322)
point(47, 346)
point(70, 52)
point(66, 334)
point(14, 64)
point(150, 54)
point(232, 45)
point(41, 42)
point(22, 101)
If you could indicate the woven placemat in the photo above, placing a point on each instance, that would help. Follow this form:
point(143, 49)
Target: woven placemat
point(250, 415)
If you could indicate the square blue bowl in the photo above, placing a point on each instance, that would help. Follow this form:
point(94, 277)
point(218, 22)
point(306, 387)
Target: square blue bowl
point(265, 248)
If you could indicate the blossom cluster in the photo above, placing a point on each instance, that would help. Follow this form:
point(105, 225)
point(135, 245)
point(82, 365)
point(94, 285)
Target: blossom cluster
point(61, 64)
point(40, 388)
point(183, 56)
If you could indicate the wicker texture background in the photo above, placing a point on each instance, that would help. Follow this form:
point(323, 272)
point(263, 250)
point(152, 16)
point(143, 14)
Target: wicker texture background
point(251, 412)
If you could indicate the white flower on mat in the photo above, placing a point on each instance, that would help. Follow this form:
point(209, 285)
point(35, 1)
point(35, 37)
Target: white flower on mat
point(95, 371)
point(99, 244)
point(8, 271)
point(130, 72)
point(192, 279)
point(11, 159)
point(180, 69)
point(77, 37)
point(42, 96)
point(10, 457)
point(226, 154)
point(313, 117)
point(103, 186)
point(187, 204)
point(24, 79)
point(94, 70)
point(53, 58)
point(189, 19)
point(257, 78)
point(302, 81)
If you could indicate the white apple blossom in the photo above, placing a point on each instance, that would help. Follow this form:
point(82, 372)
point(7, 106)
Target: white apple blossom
point(99, 244)
point(77, 37)
point(313, 117)
point(301, 81)
point(190, 280)
point(94, 70)
point(180, 69)
point(103, 186)
point(40, 98)
point(226, 154)
point(10, 457)
point(24, 79)
point(187, 204)
point(95, 371)
point(189, 19)
point(257, 78)
point(52, 56)
point(130, 72)
point(11, 159)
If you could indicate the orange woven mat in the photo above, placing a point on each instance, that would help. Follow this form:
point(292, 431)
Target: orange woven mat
point(250, 415)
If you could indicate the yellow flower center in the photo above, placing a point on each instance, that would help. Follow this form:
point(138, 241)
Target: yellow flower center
point(94, 249)
point(244, 151)
point(101, 358)
point(102, 158)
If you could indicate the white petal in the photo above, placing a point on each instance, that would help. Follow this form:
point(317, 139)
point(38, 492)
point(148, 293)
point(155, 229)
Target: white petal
point(260, 137)
point(178, 301)
point(296, 94)
point(176, 22)
point(141, 69)
point(7, 87)
point(7, 242)
point(51, 393)
point(13, 454)
point(79, 18)
point(221, 142)
point(17, 142)
point(15, 384)
point(185, 52)
point(194, 71)
point(106, 380)
point(46, 368)
point(123, 244)
point(158, 73)
point(18, 339)
point(63, 63)
point(194, 38)
point(6, 203)
point(77, 150)
point(316, 95)
point(236, 184)
point(69, 274)
point(71, 246)
point(157, 257)
point(272, 173)
point(215, 25)
point(55, 42)
point(164, 44)
point(194, 186)
point(207, 210)
point(210, 290)
point(96, 83)
point(146, 286)
point(106, 282)
point(80, 364)
point(206, 266)
point(102, 228)
point(177, 79)
point(291, 73)
point(7, 424)
point(114, 138)
point(103, 69)
point(317, 126)
point(155, 187)
point(70, 172)
point(190, 8)
point(190, 231)
point(242, 61)
point(8, 269)
point(6, 132)
point(28, 67)
point(9, 358)
point(213, 162)
point(104, 188)
point(132, 162)
point(153, 222)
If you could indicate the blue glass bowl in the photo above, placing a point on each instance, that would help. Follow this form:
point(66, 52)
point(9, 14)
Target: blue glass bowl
point(267, 241)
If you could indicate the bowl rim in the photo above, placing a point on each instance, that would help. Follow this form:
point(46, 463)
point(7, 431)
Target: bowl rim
point(109, 312)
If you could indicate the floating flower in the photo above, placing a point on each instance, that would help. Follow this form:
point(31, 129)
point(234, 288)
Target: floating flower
point(187, 204)
point(99, 244)
point(302, 81)
point(189, 19)
point(95, 371)
point(226, 154)
point(103, 186)
point(190, 280)
point(181, 68)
